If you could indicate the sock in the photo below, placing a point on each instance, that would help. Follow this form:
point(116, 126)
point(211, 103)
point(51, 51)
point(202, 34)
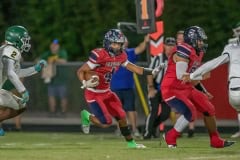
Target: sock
point(216, 140)
point(181, 124)
point(171, 136)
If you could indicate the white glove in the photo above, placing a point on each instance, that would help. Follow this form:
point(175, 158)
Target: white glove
point(156, 70)
point(91, 83)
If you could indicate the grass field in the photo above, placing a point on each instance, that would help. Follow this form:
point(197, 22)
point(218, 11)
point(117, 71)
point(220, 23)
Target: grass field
point(76, 146)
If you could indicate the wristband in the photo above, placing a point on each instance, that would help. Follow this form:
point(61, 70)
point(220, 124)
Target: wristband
point(147, 71)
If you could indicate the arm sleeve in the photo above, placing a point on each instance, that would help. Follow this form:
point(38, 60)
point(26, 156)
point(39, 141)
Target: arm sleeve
point(26, 72)
point(208, 66)
point(92, 65)
point(181, 69)
point(124, 64)
point(8, 70)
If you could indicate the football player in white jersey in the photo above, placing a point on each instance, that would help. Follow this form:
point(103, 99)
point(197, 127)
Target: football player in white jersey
point(16, 42)
point(230, 55)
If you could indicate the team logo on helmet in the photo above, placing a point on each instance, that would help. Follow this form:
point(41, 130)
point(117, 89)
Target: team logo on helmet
point(113, 36)
point(193, 34)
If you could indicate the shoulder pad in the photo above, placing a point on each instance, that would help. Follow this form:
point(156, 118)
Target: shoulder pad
point(233, 41)
point(96, 55)
point(183, 51)
point(11, 52)
point(98, 50)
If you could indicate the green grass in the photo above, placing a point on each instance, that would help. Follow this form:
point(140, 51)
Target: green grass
point(76, 146)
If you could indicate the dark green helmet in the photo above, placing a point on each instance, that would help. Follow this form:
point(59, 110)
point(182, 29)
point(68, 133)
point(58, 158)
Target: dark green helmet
point(236, 30)
point(18, 37)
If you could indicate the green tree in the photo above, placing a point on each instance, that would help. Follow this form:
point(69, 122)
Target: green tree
point(81, 24)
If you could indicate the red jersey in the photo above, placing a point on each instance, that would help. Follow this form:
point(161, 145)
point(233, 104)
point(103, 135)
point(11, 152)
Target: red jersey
point(105, 66)
point(170, 81)
point(102, 101)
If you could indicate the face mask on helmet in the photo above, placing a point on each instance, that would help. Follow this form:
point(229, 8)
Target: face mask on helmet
point(236, 30)
point(18, 37)
point(194, 34)
point(113, 36)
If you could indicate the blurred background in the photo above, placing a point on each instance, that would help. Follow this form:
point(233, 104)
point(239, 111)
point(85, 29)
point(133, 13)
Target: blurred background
point(79, 25)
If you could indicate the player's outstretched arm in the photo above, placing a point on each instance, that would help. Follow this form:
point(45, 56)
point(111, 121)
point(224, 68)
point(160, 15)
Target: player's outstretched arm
point(143, 71)
point(201, 72)
point(26, 72)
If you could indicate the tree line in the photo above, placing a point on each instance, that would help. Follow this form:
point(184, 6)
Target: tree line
point(81, 24)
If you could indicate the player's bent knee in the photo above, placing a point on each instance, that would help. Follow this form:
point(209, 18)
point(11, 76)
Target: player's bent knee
point(107, 120)
point(7, 113)
point(8, 100)
point(210, 112)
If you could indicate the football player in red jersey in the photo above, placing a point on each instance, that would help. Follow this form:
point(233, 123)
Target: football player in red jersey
point(103, 103)
point(183, 96)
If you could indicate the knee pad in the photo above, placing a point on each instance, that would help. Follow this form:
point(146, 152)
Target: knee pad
point(7, 99)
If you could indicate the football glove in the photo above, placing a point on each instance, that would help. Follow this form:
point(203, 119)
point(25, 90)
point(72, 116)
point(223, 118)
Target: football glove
point(25, 97)
point(40, 65)
point(91, 83)
point(156, 70)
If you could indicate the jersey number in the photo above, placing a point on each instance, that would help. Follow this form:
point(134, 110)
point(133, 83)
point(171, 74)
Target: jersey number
point(108, 76)
point(13, 55)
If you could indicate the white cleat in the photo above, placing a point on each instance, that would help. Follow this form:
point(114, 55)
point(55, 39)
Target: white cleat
point(236, 135)
point(86, 129)
point(140, 146)
point(172, 146)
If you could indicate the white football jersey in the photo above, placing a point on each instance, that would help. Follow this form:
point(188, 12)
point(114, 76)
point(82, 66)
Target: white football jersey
point(12, 53)
point(233, 51)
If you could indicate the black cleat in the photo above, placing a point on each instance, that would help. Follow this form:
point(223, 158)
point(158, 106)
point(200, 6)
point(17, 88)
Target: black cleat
point(228, 143)
point(190, 133)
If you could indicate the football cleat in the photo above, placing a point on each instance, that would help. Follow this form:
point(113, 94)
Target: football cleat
point(169, 145)
point(190, 133)
point(86, 129)
point(236, 135)
point(228, 143)
point(2, 132)
point(172, 146)
point(133, 144)
point(222, 143)
point(85, 121)
point(170, 138)
point(140, 146)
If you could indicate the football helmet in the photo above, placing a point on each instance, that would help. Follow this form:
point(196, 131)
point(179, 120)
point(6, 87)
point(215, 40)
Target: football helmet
point(192, 35)
point(113, 36)
point(236, 30)
point(18, 37)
